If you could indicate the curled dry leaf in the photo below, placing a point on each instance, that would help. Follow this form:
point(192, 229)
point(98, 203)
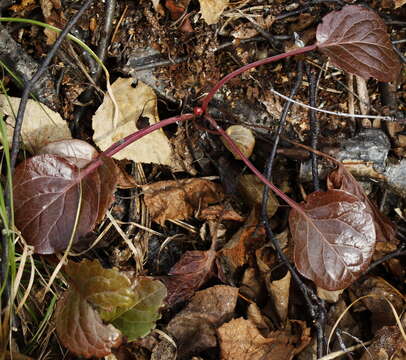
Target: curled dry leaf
point(243, 138)
point(280, 293)
point(252, 189)
point(178, 199)
point(80, 328)
point(356, 40)
point(41, 125)
point(194, 328)
point(234, 253)
point(241, 340)
point(133, 103)
point(47, 190)
point(212, 9)
point(334, 238)
point(188, 274)
point(399, 3)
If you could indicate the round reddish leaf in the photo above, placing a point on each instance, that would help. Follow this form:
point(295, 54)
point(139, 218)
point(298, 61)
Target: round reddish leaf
point(334, 238)
point(47, 189)
point(356, 40)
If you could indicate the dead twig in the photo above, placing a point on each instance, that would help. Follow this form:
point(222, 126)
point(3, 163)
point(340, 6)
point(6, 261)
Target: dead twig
point(314, 124)
point(316, 308)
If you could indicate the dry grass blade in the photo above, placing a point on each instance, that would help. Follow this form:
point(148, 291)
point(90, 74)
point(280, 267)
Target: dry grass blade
point(395, 314)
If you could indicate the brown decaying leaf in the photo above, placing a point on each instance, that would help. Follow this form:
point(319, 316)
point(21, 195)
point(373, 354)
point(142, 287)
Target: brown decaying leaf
point(251, 189)
point(334, 238)
point(81, 329)
point(234, 254)
point(399, 3)
point(280, 293)
point(381, 314)
point(178, 199)
point(47, 189)
point(219, 212)
point(241, 340)
point(386, 343)
point(342, 179)
point(356, 40)
point(188, 274)
point(194, 328)
point(212, 9)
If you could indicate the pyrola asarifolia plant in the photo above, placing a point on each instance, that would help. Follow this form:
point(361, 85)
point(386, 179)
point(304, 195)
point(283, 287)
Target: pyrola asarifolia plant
point(334, 232)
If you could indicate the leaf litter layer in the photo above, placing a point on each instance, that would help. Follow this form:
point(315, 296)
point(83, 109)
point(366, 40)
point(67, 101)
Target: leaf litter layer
point(345, 255)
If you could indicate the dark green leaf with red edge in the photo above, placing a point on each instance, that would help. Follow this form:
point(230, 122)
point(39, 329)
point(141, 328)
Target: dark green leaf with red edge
point(334, 238)
point(141, 318)
point(107, 289)
point(47, 189)
point(80, 328)
point(188, 275)
point(342, 179)
point(356, 40)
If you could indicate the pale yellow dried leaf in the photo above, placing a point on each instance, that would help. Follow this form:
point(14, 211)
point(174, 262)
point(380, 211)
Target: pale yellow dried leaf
point(399, 3)
point(211, 10)
point(329, 296)
point(41, 125)
point(132, 103)
point(280, 293)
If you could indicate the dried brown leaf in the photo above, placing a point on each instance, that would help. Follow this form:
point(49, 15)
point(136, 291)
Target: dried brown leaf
point(241, 340)
point(252, 189)
point(179, 199)
point(280, 293)
point(356, 40)
point(234, 253)
point(385, 344)
point(334, 238)
point(212, 9)
point(380, 290)
point(218, 212)
point(188, 274)
point(194, 328)
point(399, 3)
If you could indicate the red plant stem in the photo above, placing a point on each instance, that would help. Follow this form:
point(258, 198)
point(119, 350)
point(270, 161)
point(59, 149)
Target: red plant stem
point(293, 204)
point(124, 142)
point(239, 71)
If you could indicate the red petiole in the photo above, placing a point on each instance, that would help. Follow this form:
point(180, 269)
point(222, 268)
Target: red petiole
point(201, 111)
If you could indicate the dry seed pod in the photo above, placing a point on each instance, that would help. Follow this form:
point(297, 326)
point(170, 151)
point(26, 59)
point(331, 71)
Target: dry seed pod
point(243, 138)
